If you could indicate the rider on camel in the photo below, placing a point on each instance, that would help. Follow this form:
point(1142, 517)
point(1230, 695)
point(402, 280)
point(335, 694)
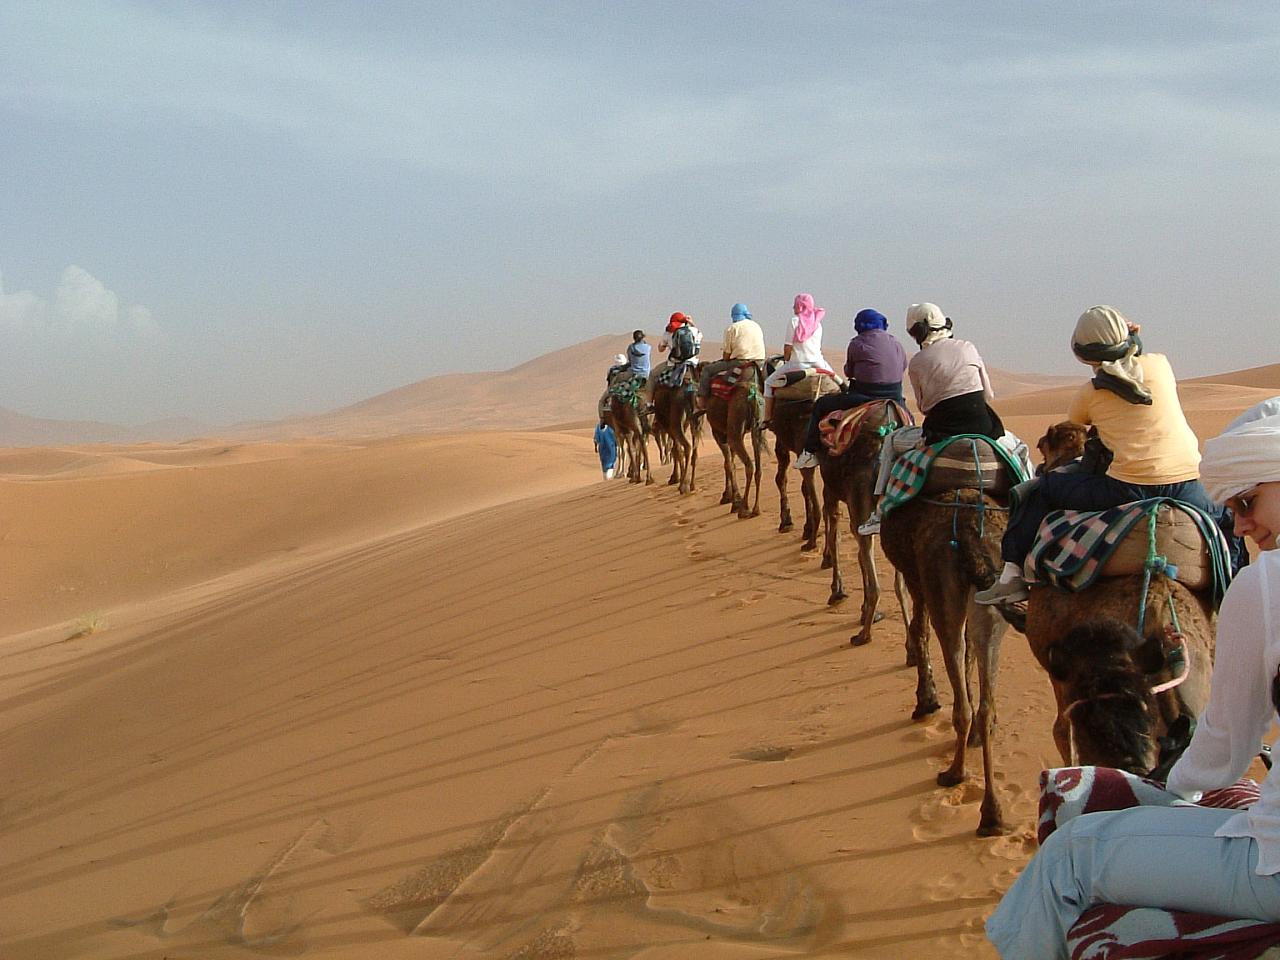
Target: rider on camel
point(952, 390)
point(802, 349)
point(874, 364)
point(743, 341)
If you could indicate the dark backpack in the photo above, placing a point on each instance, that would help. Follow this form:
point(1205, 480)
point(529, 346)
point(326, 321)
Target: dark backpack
point(683, 346)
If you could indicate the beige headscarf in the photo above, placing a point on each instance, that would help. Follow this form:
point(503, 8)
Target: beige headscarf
point(932, 316)
point(1245, 455)
point(1102, 336)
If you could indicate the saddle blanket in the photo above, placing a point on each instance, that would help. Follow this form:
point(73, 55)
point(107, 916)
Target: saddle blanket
point(806, 385)
point(675, 374)
point(910, 472)
point(1123, 932)
point(722, 383)
point(1072, 547)
point(627, 391)
point(840, 428)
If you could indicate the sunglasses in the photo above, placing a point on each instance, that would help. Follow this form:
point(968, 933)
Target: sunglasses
point(1242, 504)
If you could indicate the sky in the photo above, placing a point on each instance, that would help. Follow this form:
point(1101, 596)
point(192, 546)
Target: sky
point(240, 210)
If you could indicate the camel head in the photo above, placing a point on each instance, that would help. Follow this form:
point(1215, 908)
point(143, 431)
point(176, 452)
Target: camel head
point(1062, 443)
point(1106, 668)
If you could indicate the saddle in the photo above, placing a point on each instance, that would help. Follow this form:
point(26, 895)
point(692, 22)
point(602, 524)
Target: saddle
point(626, 390)
point(724, 382)
point(966, 462)
point(1073, 548)
point(677, 373)
point(1122, 930)
point(807, 385)
point(840, 428)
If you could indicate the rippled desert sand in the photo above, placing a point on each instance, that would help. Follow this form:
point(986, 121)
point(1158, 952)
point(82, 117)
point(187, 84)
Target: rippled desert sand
point(452, 695)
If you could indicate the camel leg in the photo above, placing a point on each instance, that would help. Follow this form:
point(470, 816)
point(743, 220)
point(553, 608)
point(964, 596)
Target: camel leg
point(644, 458)
point(695, 436)
point(730, 495)
point(783, 456)
point(831, 521)
point(947, 604)
point(859, 506)
point(870, 590)
point(737, 445)
point(809, 490)
point(987, 629)
point(918, 640)
point(900, 591)
point(757, 441)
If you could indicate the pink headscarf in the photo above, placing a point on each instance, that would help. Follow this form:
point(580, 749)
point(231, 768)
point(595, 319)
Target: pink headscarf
point(808, 315)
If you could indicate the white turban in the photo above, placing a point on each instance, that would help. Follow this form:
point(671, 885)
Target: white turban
point(1245, 455)
point(1102, 336)
point(935, 321)
point(620, 358)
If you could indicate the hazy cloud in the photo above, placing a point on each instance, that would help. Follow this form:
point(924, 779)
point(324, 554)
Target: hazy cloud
point(82, 315)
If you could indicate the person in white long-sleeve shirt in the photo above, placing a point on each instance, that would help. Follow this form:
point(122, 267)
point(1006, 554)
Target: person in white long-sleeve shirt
point(1187, 858)
point(1222, 862)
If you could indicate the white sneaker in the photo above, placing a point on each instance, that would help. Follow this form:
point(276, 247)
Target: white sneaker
point(1013, 591)
point(871, 526)
point(805, 461)
point(608, 474)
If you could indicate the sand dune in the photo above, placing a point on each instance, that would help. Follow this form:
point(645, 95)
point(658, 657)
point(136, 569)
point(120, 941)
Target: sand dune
point(454, 696)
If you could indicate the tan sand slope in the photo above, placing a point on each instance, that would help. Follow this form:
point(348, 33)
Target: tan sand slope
point(593, 720)
point(90, 527)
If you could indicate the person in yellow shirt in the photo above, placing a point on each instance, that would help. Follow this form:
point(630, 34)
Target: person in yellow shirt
point(1132, 402)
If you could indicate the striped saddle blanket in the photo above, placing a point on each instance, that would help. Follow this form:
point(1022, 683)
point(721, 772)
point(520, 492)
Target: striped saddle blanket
point(1124, 932)
point(722, 383)
point(968, 461)
point(1075, 547)
point(840, 428)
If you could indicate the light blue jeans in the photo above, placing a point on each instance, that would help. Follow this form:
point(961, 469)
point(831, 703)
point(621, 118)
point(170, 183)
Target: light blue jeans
point(1146, 856)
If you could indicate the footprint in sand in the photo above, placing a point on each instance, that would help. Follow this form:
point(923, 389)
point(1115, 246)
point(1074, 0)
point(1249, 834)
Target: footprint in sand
point(751, 599)
point(1017, 846)
point(764, 754)
point(938, 813)
point(722, 592)
point(267, 909)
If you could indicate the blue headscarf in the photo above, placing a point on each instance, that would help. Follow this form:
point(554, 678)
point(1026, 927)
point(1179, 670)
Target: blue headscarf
point(739, 312)
point(870, 320)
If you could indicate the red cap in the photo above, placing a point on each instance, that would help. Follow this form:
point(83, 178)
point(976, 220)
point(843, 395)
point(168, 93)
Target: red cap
point(676, 322)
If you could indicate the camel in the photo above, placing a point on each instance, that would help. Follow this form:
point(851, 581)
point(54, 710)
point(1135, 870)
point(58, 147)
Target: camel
point(730, 421)
point(849, 479)
point(1112, 676)
point(1053, 614)
point(673, 417)
point(1061, 443)
point(632, 429)
point(946, 547)
point(790, 421)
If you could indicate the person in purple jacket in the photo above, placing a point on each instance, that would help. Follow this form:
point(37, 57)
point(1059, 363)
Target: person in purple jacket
point(875, 365)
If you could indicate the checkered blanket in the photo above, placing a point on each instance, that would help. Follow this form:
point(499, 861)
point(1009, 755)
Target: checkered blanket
point(911, 470)
point(673, 375)
point(1123, 932)
point(627, 391)
point(1072, 546)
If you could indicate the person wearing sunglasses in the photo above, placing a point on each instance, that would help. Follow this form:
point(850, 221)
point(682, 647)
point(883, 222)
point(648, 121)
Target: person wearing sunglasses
point(1132, 401)
point(1216, 861)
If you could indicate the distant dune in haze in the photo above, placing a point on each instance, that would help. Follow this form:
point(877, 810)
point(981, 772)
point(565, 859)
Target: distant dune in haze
point(556, 389)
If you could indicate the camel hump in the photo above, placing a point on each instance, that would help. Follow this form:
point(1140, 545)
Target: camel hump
point(970, 463)
point(807, 385)
point(1073, 548)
